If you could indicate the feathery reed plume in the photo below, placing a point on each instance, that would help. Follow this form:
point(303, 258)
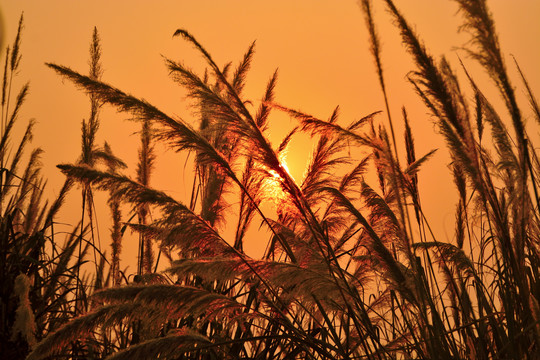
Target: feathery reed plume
point(183, 342)
point(479, 24)
point(88, 148)
point(532, 98)
point(14, 62)
point(11, 175)
point(202, 237)
point(213, 185)
point(324, 161)
point(375, 48)
point(144, 170)
point(411, 158)
point(24, 325)
point(317, 126)
point(438, 90)
point(116, 229)
point(13, 59)
point(253, 183)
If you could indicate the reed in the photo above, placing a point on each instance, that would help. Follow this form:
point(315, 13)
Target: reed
point(39, 271)
point(352, 270)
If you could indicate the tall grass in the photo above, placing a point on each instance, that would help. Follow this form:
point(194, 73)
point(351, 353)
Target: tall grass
point(38, 269)
point(351, 269)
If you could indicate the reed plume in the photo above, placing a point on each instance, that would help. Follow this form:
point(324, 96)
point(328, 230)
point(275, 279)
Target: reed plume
point(347, 273)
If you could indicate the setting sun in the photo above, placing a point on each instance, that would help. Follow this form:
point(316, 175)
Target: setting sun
point(274, 186)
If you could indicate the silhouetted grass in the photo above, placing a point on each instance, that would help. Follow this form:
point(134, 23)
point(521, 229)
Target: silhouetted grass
point(351, 269)
point(38, 275)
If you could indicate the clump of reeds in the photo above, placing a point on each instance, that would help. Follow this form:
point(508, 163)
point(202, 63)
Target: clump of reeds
point(351, 269)
point(38, 275)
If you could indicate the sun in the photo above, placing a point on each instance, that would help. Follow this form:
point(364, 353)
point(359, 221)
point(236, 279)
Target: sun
point(274, 187)
point(282, 164)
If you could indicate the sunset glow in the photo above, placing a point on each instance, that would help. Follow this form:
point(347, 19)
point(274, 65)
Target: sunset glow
point(275, 188)
point(269, 180)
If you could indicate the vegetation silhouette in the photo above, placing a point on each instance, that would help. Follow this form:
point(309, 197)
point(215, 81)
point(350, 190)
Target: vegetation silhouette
point(351, 270)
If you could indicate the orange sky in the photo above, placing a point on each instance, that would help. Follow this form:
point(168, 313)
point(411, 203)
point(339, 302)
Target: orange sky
point(319, 46)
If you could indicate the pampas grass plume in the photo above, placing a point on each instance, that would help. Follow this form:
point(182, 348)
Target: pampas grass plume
point(24, 325)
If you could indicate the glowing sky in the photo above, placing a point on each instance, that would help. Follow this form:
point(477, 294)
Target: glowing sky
point(319, 46)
